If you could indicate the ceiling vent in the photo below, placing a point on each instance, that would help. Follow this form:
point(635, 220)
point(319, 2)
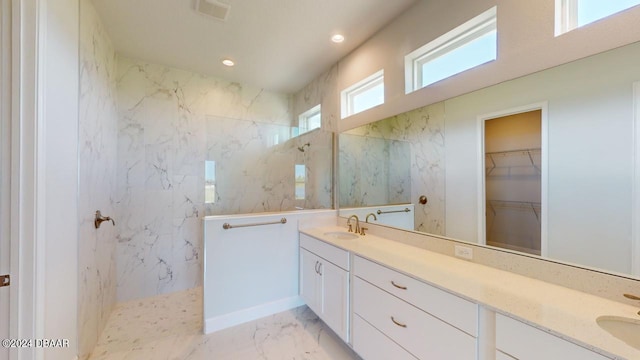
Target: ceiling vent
point(216, 9)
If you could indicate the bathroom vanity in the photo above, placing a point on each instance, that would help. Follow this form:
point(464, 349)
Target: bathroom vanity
point(390, 300)
point(324, 283)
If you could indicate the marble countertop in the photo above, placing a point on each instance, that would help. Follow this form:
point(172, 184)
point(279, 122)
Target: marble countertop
point(566, 313)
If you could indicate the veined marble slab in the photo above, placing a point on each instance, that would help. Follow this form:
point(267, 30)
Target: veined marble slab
point(97, 140)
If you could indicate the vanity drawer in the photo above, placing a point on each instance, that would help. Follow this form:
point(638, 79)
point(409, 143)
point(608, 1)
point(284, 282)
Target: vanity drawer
point(371, 344)
point(452, 309)
point(423, 335)
point(525, 342)
point(326, 251)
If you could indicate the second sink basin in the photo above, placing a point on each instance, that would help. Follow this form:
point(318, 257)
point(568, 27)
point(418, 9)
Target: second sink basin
point(342, 235)
point(625, 329)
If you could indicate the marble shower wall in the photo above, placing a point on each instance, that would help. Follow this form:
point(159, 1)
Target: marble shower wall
point(322, 90)
point(318, 160)
point(171, 122)
point(254, 167)
point(373, 171)
point(423, 129)
point(98, 135)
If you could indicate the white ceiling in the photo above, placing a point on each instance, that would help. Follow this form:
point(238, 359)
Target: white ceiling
point(278, 45)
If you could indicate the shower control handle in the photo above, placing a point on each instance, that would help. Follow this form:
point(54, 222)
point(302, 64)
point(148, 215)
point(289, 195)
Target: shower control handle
point(100, 219)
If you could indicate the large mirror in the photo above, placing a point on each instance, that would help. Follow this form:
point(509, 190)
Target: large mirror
point(546, 164)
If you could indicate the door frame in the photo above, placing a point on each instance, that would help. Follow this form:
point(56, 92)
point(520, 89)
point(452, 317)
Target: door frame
point(544, 180)
point(635, 191)
point(27, 223)
point(44, 170)
point(5, 162)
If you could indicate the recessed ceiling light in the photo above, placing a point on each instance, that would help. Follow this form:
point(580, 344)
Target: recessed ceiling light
point(337, 38)
point(228, 62)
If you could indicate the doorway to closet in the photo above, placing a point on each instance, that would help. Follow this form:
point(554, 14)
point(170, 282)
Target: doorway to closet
point(513, 172)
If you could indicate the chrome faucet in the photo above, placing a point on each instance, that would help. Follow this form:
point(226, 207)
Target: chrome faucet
point(357, 223)
point(370, 214)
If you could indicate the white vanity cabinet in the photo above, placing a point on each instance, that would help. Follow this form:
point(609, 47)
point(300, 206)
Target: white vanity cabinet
point(384, 313)
point(408, 318)
point(324, 283)
point(517, 340)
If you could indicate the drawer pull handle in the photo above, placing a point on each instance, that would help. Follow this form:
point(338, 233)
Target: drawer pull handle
point(398, 286)
point(397, 323)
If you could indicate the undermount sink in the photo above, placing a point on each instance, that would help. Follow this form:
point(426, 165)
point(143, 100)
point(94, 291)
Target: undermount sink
point(342, 235)
point(625, 329)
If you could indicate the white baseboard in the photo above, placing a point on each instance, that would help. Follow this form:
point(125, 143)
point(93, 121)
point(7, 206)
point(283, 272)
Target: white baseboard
point(253, 313)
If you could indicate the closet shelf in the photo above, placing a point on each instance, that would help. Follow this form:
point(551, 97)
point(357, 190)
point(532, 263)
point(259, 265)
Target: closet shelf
point(535, 207)
point(518, 157)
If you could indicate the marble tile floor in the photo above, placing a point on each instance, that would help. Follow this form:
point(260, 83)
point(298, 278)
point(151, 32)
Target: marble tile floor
point(170, 327)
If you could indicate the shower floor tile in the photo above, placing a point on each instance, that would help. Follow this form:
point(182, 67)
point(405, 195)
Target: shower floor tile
point(170, 327)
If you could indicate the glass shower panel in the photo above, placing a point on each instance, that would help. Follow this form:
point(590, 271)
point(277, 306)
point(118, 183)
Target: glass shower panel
point(255, 165)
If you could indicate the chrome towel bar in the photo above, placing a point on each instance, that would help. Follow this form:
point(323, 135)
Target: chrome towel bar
point(394, 211)
point(228, 226)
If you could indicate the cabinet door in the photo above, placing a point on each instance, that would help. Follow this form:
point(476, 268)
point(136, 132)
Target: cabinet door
point(335, 307)
point(310, 284)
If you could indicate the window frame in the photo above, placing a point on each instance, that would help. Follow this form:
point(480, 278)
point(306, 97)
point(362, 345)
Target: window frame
point(210, 184)
point(466, 33)
point(296, 182)
point(305, 116)
point(347, 95)
point(566, 16)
